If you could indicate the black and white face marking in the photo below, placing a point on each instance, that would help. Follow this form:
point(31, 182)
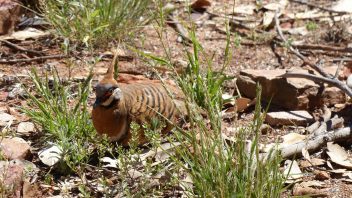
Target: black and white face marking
point(106, 94)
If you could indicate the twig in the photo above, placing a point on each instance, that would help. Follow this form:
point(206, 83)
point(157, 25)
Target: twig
point(296, 52)
point(320, 7)
point(338, 70)
point(33, 59)
point(22, 49)
point(316, 143)
point(315, 78)
point(173, 22)
point(323, 47)
point(326, 78)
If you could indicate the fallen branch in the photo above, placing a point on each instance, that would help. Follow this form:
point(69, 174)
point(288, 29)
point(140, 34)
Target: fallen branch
point(322, 47)
point(22, 49)
point(317, 142)
point(314, 5)
point(331, 81)
point(33, 59)
point(315, 66)
point(326, 78)
point(178, 27)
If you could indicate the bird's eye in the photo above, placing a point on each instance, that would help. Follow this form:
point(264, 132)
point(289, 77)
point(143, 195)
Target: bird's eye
point(111, 90)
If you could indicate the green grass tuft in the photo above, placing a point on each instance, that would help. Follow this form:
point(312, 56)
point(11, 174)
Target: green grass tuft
point(96, 22)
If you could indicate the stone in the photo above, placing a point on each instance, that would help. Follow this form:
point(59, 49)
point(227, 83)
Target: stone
point(289, 93)
point(332, 96)
point(14, 148)
point(16, 91)
point(14, 173)
point(11, 175)
point(297, 118)
point(25, 127)
point(5, 118)
point(10, 12)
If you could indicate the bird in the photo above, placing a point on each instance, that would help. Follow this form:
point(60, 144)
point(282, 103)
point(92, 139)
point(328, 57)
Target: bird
point(117, 105)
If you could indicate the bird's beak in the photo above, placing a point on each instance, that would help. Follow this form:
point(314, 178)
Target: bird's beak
point(97, 102)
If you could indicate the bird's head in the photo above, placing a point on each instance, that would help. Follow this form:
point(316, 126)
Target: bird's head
point(107, 90)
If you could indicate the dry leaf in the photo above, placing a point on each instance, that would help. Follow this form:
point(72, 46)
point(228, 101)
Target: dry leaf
point(50, 156)
point(276, 5)
point(242, 104)
point(244, 9)
point(339, 155)
point(200, 5)
point(292, 138)
point(305, 154)
point(28, 33)
point(268, 18)
point(312, 162)
point(292, 171)
point(312, 183)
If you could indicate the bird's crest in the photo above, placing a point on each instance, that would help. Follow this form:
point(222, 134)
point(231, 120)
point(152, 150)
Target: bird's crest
point(110, 74)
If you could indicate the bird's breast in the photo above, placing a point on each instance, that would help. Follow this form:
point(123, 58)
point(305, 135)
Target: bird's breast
point(107, 121)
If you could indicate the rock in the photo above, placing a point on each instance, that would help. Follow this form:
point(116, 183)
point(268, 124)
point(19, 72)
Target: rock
point(10, 12)
point(16, 91)
point(332, 96)
point(290, 93)
point(11, 175)
point(300, 118)
point(321, 175)
point(14, 173)
point(5, 118)
point(25, 127)
point(14, 148)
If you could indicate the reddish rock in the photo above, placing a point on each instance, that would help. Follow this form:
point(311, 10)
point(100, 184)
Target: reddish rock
point(300, 118)
point(14, 148)
point(14, 174)
point(10, 12)
point(290, 93)
point(11, 175)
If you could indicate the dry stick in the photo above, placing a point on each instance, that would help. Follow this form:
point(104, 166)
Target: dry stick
point(320, 7)
point(323, 47)
point(315, 78)
point(173, 22)
point(326, 78)
point(22, 49)
point(33, 59)
point(316, 143)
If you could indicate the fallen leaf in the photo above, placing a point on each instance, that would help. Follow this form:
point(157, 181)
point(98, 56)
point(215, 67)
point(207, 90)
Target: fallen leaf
point(276, 5)
point(109, 162)
point(200, 5)
point(312, 162)
point(312, 183)
point(339, 155)
point(292, 138)
point(28, 33)
point(244, 9)
point(292, 171)
point(268, 18)
point(242, 104)
point(305, 154)
point(50, 156)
